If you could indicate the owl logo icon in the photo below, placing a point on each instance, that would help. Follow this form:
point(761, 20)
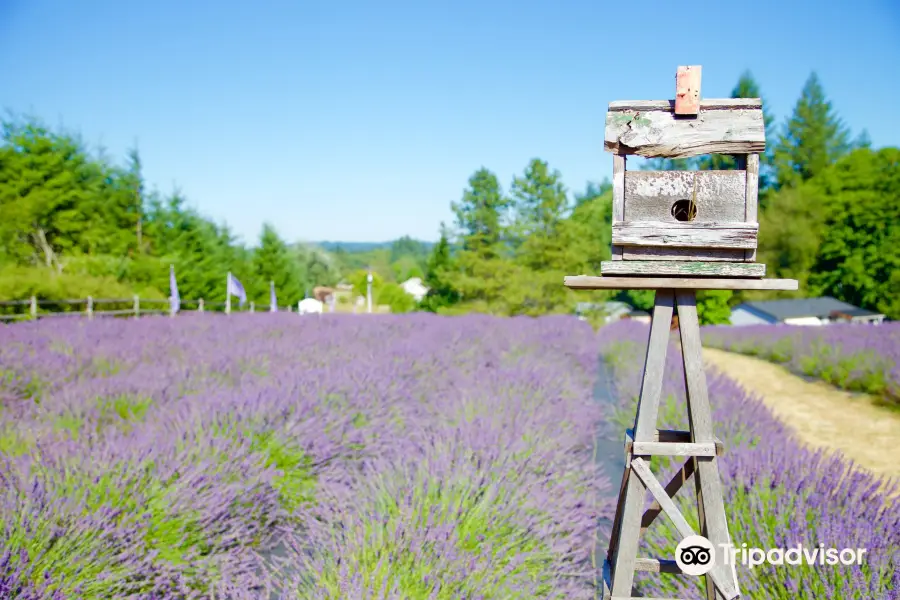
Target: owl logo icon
point(695, 556)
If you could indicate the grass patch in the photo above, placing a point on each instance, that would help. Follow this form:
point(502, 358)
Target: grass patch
point(432, 538)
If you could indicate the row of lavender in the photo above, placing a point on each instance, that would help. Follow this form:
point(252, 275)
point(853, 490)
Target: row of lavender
point(863, 358)
point(270, 456)
point(778, 494)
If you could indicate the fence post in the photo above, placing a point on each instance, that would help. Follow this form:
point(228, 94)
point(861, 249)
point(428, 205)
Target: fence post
point(33, 308)
point(251, 307)
point(137, 306)
point(90, 307)
point(200, 305)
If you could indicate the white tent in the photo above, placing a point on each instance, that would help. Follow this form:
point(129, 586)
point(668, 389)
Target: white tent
point(415, 288)
point(309, 306)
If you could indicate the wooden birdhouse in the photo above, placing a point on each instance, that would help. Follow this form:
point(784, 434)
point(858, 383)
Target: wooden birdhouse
point(685, 223)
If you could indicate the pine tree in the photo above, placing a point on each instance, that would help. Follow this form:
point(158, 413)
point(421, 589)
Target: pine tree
point(480, 214)
point(541, 204)
point(814, 137)
point(438, 277)
point(747, 87)
point(273, 261)
point(136, 181)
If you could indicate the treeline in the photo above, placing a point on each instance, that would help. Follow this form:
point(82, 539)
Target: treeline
point(829, 217)
point(74, 224)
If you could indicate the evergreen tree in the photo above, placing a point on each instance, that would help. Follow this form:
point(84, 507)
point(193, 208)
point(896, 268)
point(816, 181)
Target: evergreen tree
point(482, 234)
point(592, 191)
point(135, 185)
point(862, 140)
point(46, 182)
point(858, 259)
point(273, 261)
point(813, 137)
point(543, 243)
point(540, 204)
point(437, 279)
point(747, 87)
point(480, 214)
point(669, 164)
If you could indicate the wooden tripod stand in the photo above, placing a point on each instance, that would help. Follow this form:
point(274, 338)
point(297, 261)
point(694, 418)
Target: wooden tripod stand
point(698, 443)
point(644, 441)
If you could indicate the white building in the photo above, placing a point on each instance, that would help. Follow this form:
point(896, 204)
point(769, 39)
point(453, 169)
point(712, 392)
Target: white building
point(415, 288)
point(612, 311)
point(801, 311)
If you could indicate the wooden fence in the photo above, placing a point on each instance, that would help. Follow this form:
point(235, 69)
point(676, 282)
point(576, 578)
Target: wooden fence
point(12, 310)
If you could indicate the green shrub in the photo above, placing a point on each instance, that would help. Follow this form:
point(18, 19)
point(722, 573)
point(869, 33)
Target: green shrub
point(21, 283)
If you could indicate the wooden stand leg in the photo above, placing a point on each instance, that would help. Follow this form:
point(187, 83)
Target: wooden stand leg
point(626, 531)
point(710, 496)
point(704, 531)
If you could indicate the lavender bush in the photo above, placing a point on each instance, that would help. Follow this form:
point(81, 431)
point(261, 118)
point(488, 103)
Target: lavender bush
point(211, 456)
point(856, 357)
point(778, 493)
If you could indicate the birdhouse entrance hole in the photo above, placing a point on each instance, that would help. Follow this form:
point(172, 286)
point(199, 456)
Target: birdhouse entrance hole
point(684, 210)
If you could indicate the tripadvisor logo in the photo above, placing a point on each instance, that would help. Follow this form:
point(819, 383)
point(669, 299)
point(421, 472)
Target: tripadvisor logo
point(696, 555)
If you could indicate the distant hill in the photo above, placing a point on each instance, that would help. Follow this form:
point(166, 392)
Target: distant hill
point(360, 246)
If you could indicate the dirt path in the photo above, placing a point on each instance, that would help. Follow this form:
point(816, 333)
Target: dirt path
point(822, 415)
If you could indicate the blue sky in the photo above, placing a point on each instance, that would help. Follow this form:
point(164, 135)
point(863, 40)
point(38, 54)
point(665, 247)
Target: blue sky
point(362, 121)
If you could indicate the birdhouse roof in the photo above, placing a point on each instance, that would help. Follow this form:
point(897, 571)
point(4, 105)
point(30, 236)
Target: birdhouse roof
point(650, 128)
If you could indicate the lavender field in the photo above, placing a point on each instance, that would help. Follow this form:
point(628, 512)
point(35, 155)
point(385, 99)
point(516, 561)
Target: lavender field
point(341, 458)
point(778, 494)
point(856, 357)
point(396, 457)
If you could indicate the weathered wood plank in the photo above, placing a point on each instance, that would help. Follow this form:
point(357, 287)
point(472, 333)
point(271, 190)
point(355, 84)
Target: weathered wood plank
point(645, 426)
point(590, 282)
point(701, 254)
point(692, 226)
point(619, 170)
point(674, 436)
point(685, 268)
point(617, 519)
point(669, 105)
point(685, 235)
point(751, 203)
point(710, 587)
point(720, 572)
point(607, 595)
point(653, 565)
point(625, 556)
point(720, 195)
point(658, 133)
point(699, 414)
point(701, 426)
point(687, 90)
point(673, 449)
point(654, 367)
